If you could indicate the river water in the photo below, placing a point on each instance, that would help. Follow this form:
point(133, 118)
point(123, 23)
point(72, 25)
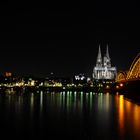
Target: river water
point(69, 115)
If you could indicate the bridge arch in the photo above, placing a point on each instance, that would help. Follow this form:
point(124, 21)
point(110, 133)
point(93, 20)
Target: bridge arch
point(134, 71)
point(121, 76)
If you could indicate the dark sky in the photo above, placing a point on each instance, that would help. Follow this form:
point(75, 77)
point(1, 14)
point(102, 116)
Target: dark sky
point(63, 37)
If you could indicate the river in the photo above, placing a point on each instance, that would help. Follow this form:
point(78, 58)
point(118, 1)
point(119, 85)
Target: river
point(69, 115)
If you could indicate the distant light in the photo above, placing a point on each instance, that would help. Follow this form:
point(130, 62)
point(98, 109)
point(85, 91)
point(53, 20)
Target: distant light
point(41, 84)
point(107, 86)
point(121, 85)
point(17, 84)
point(88, 79)
point(32, 83)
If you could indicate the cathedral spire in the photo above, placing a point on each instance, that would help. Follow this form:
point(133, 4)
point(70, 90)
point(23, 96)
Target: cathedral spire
point(107, 61)
point(99, 57)
point(99, 53)
point(107, 52)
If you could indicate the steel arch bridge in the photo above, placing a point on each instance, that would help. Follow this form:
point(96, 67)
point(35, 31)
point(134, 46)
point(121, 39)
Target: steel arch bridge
point(133, 73)
point(121, 76)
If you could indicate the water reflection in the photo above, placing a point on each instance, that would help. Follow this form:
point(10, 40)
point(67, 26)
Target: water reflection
point(128, 118)
point(120, 105)
point(107, 101)
point(32, 104)
point(84, 114)
point(41, 103)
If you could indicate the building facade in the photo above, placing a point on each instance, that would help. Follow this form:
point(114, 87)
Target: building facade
point(103, 69)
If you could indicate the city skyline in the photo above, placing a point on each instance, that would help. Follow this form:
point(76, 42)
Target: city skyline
point(64, 39)
point(70, 70)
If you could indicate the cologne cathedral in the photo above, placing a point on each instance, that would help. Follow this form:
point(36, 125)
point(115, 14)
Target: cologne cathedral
point(103, 69)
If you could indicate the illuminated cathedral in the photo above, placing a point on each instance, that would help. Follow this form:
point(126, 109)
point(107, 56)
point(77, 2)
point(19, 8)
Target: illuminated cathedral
point(103, 69)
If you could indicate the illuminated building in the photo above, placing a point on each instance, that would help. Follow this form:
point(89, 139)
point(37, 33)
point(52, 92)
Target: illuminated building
point(80, 77)
point(103, 69)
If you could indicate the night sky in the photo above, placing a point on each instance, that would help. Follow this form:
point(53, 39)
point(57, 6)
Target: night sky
point(63, 37)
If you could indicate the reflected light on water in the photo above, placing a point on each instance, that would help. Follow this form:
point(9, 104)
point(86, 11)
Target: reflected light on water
point(136, 119)
point(41, 101)
point(133, 114)
point(121, 115)
point(32, 100)
point(128, 118)
point(70, 111)
point(107, 103)
point(100, 102)
point(31, 105)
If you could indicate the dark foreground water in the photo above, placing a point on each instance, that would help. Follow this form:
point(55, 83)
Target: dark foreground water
point(69, 115)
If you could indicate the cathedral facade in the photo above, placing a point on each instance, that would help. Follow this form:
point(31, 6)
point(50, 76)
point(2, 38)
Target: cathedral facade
point(103, 69)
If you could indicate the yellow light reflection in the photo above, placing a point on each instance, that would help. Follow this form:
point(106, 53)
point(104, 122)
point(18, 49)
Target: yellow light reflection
point(121, 115)
point(136, 119)
point(107, 104)
point(128, 117)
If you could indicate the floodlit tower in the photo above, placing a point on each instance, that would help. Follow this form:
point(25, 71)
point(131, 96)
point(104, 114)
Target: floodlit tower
point(107, 60)
point(99, 58)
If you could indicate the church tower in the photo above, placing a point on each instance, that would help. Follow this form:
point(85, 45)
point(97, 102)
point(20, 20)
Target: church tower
point(99, 58)
point(107, 60)
point(103, 69)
